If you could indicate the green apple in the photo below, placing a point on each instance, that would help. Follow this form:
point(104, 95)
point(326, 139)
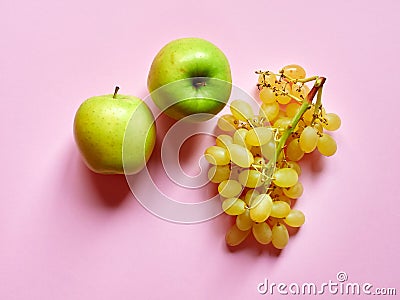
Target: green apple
point(190, 76)
point(100, 130)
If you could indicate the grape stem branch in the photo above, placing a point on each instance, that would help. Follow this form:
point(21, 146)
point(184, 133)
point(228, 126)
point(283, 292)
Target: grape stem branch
point(317, 88)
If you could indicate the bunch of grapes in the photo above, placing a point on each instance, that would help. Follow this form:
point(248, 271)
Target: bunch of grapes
point(255, 161)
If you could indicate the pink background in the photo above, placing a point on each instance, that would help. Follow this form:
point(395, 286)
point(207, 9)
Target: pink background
point(66, 233)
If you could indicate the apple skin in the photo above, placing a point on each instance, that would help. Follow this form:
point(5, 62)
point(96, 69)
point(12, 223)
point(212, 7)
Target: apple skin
point(195, 76)
point(99, 129)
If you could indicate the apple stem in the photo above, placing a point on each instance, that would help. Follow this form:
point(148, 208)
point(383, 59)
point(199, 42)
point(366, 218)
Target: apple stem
point(115, 92)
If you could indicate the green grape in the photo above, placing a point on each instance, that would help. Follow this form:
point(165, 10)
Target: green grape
point(258, 136)
point(267, 95)
point(250, 195)
point(299, 91)
point(241, 110)
point(295, 218)
point(295, 191)
point(229, 188)
point(218, 174)
point(281, 113)
point(283, 90)
point(267, 79)
point(260, 79)
point(280, 236)
point(294, 151)
point(243, 221)
point(223, 140)
point(227, 123)
point(235, 236)
point(294, 71)
point(268, 149)
point(250, 178)
point(294, 165)
point(280, 209)
point(262, 233)
point(318, 126)
point(309, 115)
point(240, 156)
point(269, 111)
point(282, 123)
point(292, 109)
point(333, 122)
point(239, 137)
point(260, 207)
point(233, 206)
point(217, 155)
point(308, 139)
point(285, 177)
point(326, 145)
point(306, 91)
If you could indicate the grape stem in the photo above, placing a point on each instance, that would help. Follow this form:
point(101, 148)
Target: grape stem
point(318, 105)
point(282, 75)
point(304, 80)
point(317, 88)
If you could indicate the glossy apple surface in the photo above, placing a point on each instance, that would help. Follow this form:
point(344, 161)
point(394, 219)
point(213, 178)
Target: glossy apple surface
point(100, 132)
point(190, 76)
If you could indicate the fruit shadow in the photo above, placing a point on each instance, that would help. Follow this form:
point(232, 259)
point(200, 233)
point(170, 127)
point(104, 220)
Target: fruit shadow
point(189, 146)
point(255, 248)
point(312, 163)
point(112, 190)
point(163, 124)
point(108, 190)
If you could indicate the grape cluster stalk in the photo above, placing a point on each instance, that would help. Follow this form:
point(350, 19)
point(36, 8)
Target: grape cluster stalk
point(255, 161)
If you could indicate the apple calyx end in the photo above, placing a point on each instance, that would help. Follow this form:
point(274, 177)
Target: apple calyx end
point(198, 82)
